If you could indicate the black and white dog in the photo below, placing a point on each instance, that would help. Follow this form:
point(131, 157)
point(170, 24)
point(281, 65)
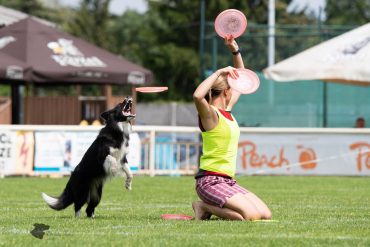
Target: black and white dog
point(105, 158)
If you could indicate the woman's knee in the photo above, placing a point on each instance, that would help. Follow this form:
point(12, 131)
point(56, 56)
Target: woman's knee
point(251, 214)
point(266, 215)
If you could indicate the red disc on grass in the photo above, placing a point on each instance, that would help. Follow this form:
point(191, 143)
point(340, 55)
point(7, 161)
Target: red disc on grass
point(176, 217)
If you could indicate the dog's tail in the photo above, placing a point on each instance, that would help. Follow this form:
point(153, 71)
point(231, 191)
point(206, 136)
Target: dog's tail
point(61, 202)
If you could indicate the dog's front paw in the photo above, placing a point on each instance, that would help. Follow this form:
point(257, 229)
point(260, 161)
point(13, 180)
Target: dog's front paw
point(128, 183)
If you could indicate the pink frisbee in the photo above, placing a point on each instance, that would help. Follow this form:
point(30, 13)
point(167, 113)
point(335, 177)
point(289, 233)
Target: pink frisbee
point(151, 89)
point(230, 22)
point(247, 82)
point(176, 217)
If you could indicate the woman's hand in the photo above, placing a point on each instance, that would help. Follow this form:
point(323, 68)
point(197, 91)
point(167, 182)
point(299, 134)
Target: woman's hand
point(231, 43)
point(229, 70)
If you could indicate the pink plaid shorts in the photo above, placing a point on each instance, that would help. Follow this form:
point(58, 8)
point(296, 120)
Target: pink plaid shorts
point(216, 190)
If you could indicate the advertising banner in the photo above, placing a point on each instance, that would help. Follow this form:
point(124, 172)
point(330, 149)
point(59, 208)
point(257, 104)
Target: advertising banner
point(16, 152)
point(61, 152)
point(134, 154)
point(24, 147)
point(7, 152)
point(304, 154)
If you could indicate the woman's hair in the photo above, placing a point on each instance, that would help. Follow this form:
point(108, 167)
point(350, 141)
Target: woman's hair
point(218, 86)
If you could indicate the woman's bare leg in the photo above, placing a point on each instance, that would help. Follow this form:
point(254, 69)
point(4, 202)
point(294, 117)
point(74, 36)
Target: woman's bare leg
point(244, 206)
point(237, 207)
point(260, 205)
point(204, 211)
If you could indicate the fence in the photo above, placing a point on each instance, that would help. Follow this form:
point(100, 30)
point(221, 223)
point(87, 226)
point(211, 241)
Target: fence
point(52, 149)
point(175, 150)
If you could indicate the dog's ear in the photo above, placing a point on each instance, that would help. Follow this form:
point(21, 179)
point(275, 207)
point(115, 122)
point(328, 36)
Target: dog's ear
point(105, 115)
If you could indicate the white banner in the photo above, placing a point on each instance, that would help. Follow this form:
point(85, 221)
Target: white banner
point(16, 152)
point(304, 154)
point(134, 154)
point(61, 152)
point(7, 152)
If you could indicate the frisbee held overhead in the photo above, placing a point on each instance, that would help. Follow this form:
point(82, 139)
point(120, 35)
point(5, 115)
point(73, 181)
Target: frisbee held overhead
point(215, 184)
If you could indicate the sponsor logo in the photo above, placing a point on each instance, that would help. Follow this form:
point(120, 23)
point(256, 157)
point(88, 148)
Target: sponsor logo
point(307, 158)
point(363, 155)
point(66, 54)
point(252, 158)
point(14, 72)
point(349, 51)
point(136, 77)
point(354, 47)
point(4, 41)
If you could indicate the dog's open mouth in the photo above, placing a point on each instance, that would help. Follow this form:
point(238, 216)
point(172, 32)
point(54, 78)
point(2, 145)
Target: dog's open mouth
point(126, 111)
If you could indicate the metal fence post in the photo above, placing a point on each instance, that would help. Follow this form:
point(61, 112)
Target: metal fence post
point(152, 154)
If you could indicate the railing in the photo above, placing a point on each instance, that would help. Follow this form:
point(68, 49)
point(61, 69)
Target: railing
point(165, 150)
point(175, 150)
point(169, 150)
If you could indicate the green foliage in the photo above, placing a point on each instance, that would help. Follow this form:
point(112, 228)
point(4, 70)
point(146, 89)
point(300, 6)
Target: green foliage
point(54, 90)
point(32, 7)
point(92, 23)
point(4, 90)
point(308, 211)
point(347, 12)
point(165, 39)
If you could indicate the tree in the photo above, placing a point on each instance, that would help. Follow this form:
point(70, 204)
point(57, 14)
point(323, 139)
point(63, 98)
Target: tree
point(166, 39)
point(92, 22)
point(356, 12)
point(32, 7)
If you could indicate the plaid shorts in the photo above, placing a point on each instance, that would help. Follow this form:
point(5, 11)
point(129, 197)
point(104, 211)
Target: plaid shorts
point(215, 190)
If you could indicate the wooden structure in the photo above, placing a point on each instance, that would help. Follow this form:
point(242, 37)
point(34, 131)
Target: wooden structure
point(69, 110)
point(35, 55)
point(5, 110)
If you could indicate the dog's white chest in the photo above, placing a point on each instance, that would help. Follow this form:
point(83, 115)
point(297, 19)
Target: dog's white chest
point(118, 153)
point(112, 163)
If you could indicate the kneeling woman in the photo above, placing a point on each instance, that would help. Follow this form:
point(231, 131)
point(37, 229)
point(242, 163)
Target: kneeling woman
point(219, 193)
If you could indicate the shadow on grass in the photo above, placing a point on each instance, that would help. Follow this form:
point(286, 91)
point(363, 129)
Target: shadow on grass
point(38, 231)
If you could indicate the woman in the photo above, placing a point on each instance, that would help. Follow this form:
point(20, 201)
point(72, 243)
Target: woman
point(219, 193)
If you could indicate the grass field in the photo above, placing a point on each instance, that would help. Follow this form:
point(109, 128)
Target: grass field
point(309, 211)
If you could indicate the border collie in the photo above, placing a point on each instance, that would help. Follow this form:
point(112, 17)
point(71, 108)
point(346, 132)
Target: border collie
point(105, 158)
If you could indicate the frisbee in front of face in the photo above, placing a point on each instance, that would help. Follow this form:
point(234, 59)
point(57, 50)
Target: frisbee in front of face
point(176, 217)
point(151, 89)
point(230, 22)
point(247, 82)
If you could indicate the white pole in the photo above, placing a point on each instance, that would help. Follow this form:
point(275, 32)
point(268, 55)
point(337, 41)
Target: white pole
point(271, 33)
point(271, 47)
point(152, 154)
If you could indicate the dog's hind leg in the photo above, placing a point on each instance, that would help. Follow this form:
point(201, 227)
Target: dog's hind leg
point(129, 176)
point(80, 199)
point(95, 196)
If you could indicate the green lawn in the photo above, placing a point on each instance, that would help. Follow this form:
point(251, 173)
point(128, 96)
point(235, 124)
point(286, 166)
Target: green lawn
point(308, 211)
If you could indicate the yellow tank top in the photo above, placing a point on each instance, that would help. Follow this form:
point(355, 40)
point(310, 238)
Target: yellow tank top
point(220, 146)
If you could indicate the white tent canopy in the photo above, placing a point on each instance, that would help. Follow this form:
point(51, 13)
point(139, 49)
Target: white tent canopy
point(345, 58)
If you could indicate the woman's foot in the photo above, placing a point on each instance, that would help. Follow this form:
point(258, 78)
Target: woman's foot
point(200, 212)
